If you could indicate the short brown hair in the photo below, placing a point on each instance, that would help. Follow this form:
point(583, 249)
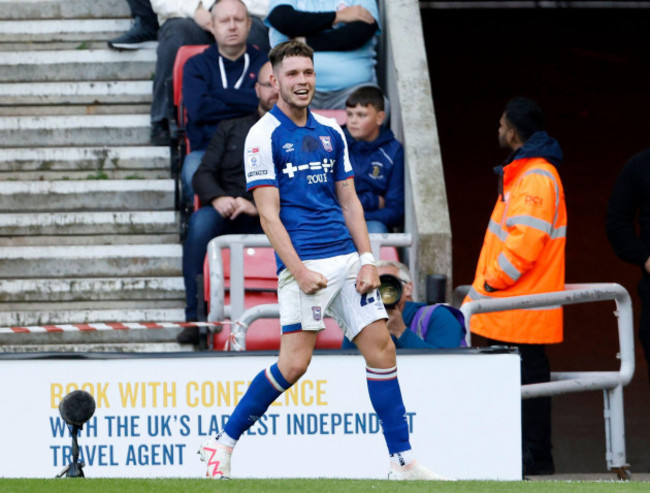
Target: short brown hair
point(366, 96)
point(289, 49)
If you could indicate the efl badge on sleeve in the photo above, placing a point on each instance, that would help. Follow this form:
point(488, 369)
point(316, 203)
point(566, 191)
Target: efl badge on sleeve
point(327, 142)
point(316, 312)
point(253, 157)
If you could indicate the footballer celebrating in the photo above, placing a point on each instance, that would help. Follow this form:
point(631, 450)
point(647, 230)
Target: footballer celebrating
point(298, 169)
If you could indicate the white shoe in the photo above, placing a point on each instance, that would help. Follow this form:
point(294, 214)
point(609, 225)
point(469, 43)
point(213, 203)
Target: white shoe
point(414, 472)
point(217, 457)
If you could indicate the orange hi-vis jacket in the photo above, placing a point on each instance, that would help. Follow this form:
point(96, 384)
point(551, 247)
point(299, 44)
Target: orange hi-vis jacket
point(523, 253)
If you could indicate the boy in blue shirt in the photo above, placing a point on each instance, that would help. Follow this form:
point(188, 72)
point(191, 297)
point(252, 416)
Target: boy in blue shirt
point(377, 160)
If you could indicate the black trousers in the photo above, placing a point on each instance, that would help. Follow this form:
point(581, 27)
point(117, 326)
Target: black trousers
point(535, 413)
point(143, 10)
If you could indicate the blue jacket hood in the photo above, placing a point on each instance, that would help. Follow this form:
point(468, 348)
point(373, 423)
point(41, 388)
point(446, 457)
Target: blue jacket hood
point(540, 144)
point(385, 136)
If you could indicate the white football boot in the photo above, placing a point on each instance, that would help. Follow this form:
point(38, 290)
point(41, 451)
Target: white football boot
point(414, 472)
point(217, 457)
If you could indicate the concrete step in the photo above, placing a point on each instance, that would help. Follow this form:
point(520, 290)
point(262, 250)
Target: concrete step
point(88, 223)
point(98, 92)
point(90, 195)
point(62, 9)
point(58, 45)
point(51, 66)
point(48, 30)
point(84, 240)
point(75, 130)
point(90, 261)
point(76, 109)
point(100, 174)
point(97, 289)
point(80, 347)
point(75, 314)
point(41, 163)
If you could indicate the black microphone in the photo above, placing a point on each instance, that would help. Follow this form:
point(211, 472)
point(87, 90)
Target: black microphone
point(77, 407)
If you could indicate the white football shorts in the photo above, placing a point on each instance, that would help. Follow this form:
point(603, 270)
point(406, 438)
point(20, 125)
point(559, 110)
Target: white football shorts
point(340, 300)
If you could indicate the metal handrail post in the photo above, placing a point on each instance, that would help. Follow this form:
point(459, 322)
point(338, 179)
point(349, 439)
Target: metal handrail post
point(564, 382)
point(573, 294)
point(215, 264)
point(614, 413)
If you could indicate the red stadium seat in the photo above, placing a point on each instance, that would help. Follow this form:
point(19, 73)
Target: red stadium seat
point(389, 253)
point(184, 53)
point(339, 115)
point(260, 279)
point(176, 114)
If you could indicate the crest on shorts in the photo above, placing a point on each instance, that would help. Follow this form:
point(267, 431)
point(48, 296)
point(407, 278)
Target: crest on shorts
point(316, 312)
point(327, 142)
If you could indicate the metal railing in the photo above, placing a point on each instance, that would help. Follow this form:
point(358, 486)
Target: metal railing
point(611, 382)
point(236, 243)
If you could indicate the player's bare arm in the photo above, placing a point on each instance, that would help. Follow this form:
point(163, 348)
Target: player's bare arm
point(368, 278)
point(267, 200)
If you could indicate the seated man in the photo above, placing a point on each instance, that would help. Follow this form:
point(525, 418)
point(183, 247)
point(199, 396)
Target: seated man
point(219, 83)
point(343, 35)
point(183, 23)
point(221, 185)
point(408, 318)
point(377, 159)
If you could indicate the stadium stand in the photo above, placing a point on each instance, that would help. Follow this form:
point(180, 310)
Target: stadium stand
point(116, 258)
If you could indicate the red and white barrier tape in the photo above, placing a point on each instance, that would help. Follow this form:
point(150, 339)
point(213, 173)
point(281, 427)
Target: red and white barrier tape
point(105, 326)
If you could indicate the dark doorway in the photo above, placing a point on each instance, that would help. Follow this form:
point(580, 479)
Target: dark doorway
point(590, 71)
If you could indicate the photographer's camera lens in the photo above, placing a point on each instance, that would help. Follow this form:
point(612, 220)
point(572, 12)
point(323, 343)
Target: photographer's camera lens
point(390, 290)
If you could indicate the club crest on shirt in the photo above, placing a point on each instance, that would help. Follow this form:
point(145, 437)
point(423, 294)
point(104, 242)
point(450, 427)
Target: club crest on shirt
point(377, 172)
point(327, 142)
point(316, 312)
point(253, 157)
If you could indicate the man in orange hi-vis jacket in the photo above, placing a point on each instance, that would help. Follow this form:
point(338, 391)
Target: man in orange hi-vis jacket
point(523, 253)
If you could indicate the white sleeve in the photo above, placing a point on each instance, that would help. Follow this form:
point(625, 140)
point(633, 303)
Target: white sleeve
point(258, 155)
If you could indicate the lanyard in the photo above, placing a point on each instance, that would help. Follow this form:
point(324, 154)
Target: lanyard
point(224, 79)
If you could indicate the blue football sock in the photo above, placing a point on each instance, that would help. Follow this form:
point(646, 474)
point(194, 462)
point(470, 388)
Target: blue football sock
point(264, 389)
point(386, 398)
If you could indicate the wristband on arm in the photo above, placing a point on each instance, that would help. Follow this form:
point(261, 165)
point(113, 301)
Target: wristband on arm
point(367, 258)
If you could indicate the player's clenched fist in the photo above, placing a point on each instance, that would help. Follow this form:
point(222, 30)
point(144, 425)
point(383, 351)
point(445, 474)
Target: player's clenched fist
point(367, 279)
point(311, 281)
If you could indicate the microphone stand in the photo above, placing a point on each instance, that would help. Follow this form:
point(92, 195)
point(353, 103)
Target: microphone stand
point(74, 469)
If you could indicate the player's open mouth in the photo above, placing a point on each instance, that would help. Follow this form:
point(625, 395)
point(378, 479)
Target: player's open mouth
point(301, 92)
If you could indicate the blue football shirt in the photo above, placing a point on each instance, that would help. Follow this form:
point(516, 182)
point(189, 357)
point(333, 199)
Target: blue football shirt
point(303, 163)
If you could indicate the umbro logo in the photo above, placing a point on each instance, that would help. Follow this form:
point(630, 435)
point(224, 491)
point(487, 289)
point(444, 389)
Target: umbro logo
point(288, 147)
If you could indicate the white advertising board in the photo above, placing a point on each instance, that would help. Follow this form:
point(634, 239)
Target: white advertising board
point(153, 413)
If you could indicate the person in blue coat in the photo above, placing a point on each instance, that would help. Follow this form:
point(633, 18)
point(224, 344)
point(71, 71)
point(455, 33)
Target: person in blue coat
point(438, 329)
point(219, 83)
point(377, 160)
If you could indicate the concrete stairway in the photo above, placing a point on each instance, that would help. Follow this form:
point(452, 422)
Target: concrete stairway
point(88, 231)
